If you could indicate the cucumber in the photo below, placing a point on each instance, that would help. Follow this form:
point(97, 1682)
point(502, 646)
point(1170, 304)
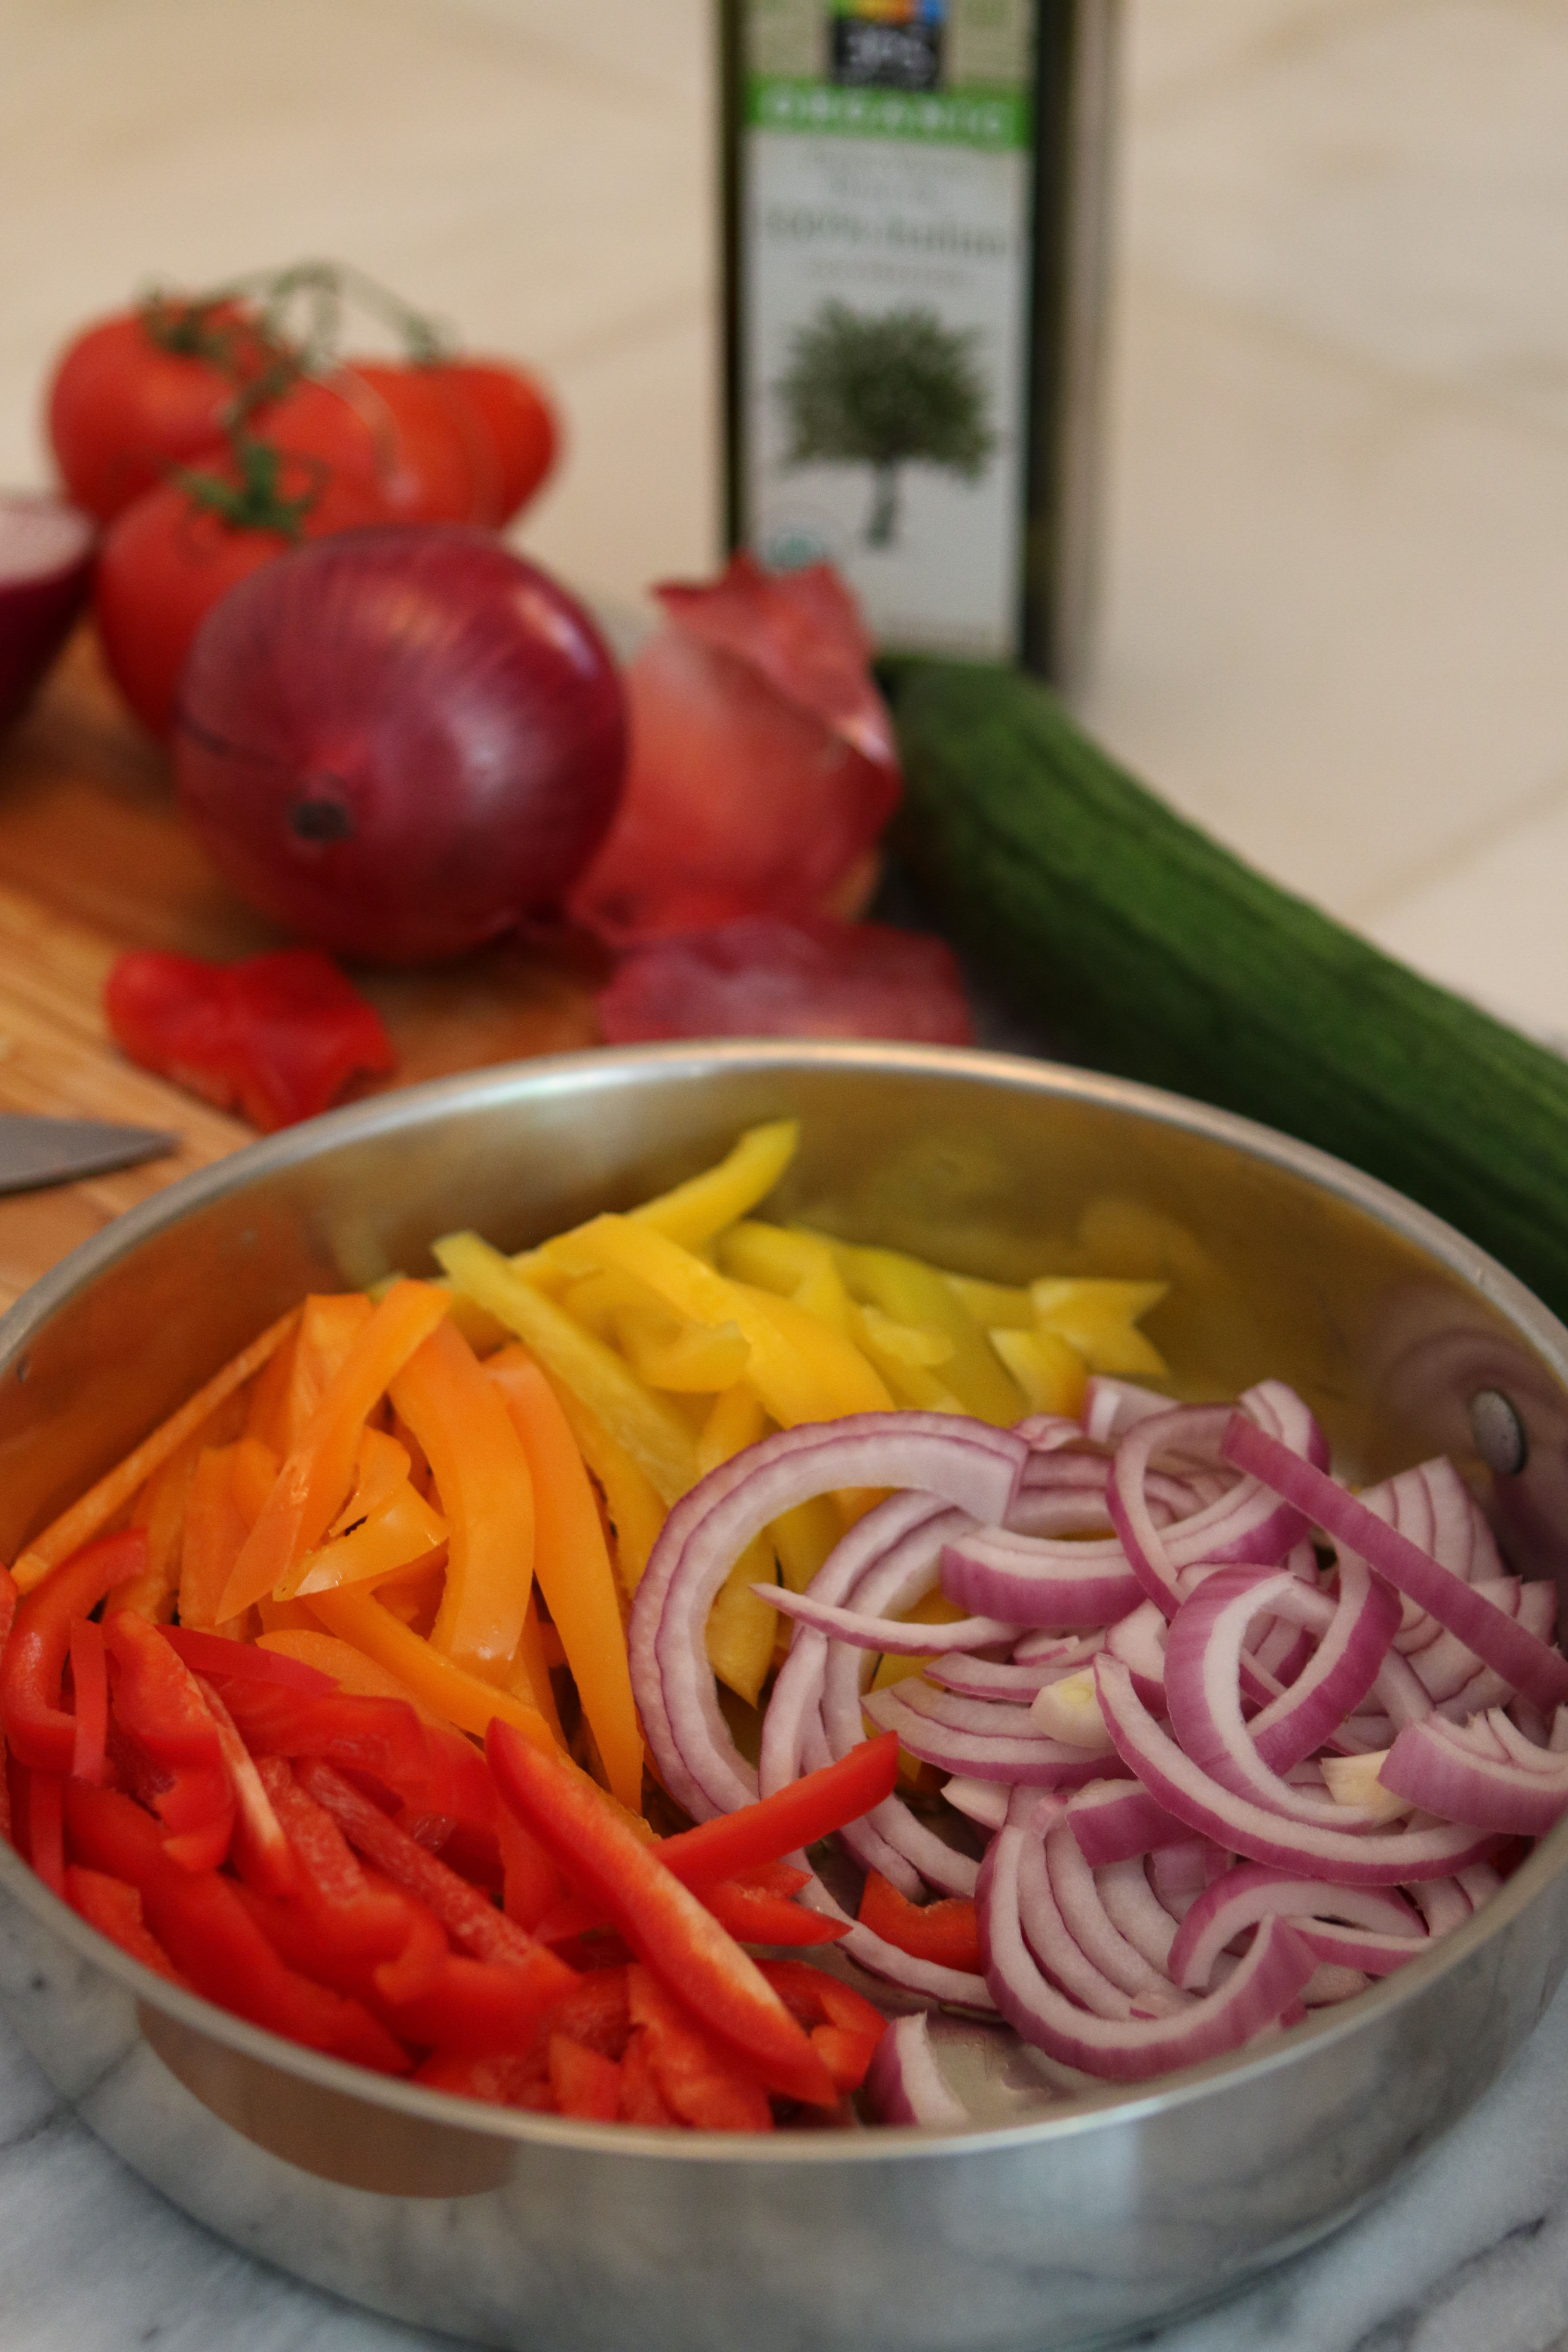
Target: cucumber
point(1139, 945)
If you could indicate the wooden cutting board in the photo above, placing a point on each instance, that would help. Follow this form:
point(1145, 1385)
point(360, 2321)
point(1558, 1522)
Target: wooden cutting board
point(93, 860)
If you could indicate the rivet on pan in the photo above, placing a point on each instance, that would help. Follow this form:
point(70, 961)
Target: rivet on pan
point(1498, 1433)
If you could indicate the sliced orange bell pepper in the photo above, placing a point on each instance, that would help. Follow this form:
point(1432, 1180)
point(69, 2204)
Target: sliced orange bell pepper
point(572, 1560)
point(425, 1675)
point(93, 1511)
point(159, 1507)
point(316, 1476)
point(216, 1523)
point(483, 1475)
point(298, 1377)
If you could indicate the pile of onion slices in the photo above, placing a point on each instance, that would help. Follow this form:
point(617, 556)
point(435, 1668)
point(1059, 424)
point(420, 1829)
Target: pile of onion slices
point(1225, 1740)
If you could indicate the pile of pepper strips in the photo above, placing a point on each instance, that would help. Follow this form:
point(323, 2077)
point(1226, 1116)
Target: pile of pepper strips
point(231, 1819)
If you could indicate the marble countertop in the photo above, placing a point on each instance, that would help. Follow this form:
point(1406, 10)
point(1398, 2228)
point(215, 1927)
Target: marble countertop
point(1334, 614)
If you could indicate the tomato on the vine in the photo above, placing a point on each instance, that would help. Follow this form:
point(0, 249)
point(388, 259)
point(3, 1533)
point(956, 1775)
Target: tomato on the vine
point(169, 557)
point(392, 428)
point(507, 409)
point(137, 395)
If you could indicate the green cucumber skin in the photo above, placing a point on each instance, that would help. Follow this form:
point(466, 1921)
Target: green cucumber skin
point(1150, 951)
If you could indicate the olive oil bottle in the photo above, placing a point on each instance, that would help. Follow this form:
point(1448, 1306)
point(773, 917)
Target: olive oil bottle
point(915, 198)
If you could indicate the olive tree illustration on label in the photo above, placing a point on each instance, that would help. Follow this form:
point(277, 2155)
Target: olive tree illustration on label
point(886, 389)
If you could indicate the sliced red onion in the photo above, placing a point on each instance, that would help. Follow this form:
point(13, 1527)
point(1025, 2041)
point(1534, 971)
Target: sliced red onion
point(1088, 1921)
point(954, 1988)
point(890, 1637)
point(1252, 1891)
point(1133, 1906)
point(1266, 1980)
point(1443, 1903)
point(964, 1462)
point(1032, 1763)
point(1542, 1673)
point(1202, 1656)
point(1179, 1872)
point(1245, 1524)
point(1116, 1821)
point(1138, 1640)
point(1039, 1579)
point(1066, 1649)
point(1002, 1678)
point(904, 2084)
point(1184, 1789)
point(1361, 1951)
point(983, 1801)
point(1110, 1407)
point(1428, 1764)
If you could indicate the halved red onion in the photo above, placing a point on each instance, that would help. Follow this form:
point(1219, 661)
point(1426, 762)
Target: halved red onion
point(1262, 1987)
point(1184, 1789)
point(904, 2084)
point(1253, 1891)
point(1530, 1665)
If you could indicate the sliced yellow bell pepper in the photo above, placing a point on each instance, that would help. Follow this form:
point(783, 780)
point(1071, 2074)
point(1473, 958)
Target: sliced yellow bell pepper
point(482, 1475)
point(995, 1306)
point(1048, 1368)
point(572, 1564)
point(695, 1359)
point(649, 1429)
point(919, 1296)
point(693, 1212)
point(635, 1512)
point(797, 1265)
point(1099, 1317)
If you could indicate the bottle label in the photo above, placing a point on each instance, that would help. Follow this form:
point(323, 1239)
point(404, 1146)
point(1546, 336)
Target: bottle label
point(886, 186)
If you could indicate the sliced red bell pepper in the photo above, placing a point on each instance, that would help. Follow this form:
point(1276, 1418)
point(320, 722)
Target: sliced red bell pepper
point(200, 1919)
point(159, 1705)
point(469, 1918)
point(702, 2079)
point(38, 1729)
point(532, 1883)
point(946, 1932)
point(89, 1688)
point(431, 1769)
point(642, 2101)
point(372, 1923)
point(219, 1659)
point(277, 1037)
point(510, 2082)
point(845, 2027)
point(114, 1908)
point(665, 1926)
point(752, 1915)
point(262, 1854)
point(479, 2007)
point(584, 2083)
point(792, 1818)
point(45, 1829)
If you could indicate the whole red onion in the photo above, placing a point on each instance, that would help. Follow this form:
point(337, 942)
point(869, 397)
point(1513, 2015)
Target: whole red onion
point(400, 740)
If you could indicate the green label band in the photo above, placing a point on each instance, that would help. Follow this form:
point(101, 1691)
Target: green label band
point(993, 120)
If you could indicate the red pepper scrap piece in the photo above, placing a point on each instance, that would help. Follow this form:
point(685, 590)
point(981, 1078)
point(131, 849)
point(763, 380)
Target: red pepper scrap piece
point(277, 1037)
point(665, 1926)
point(38, 1729)
point(45, 1829)
point(946, 1932)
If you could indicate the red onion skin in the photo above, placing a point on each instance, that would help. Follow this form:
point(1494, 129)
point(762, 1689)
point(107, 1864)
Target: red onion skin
point(400, 740)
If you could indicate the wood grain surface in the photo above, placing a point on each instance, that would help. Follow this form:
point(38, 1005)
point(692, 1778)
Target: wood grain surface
point(93, 860)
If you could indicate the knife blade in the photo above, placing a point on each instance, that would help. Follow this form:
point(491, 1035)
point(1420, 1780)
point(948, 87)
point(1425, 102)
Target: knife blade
point(37, 1151)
